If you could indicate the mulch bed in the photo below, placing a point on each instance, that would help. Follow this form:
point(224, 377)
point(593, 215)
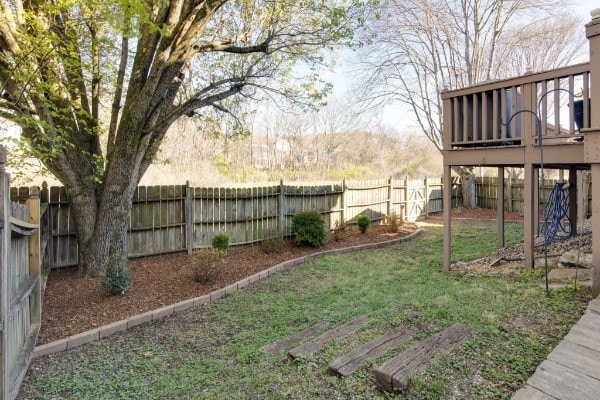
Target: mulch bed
point(73, 304)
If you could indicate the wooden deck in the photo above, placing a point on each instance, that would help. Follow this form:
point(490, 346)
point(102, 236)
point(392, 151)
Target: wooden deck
point(572, 370)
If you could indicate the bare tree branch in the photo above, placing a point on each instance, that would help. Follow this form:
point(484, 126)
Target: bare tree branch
point(423, 47)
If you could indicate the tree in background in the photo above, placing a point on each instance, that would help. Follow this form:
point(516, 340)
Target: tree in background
point(75, 72)
point(285, 145)
point(419, 48)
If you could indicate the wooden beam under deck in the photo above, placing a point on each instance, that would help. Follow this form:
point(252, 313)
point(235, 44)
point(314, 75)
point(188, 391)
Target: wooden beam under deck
point(569, 154)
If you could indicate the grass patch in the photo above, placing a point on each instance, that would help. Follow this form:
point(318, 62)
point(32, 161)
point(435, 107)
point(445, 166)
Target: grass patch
point(212, 352)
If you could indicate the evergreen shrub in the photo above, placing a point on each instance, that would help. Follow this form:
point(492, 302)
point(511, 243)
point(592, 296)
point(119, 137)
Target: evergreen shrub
point(309, 229)
point(221, 241)
point(118, 275)
point(363, 222)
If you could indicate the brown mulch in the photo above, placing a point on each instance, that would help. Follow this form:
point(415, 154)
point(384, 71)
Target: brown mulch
point(73, 304)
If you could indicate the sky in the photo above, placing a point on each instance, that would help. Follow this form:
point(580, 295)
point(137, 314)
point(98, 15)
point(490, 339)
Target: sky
point(398, 116)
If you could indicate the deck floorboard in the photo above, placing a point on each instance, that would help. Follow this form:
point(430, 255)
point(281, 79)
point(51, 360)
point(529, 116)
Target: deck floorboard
point(572, 369)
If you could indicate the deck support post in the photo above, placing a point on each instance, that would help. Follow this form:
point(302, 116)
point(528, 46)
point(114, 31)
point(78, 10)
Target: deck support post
point(581, 197)
point(536, 201)
point(592, 143)
point(500, 207)
point(528, 214)
point(596, 229)
point(447, 206)
point(573, 200)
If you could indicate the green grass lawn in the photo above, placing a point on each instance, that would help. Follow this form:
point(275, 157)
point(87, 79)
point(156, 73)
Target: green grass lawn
point(212, 352)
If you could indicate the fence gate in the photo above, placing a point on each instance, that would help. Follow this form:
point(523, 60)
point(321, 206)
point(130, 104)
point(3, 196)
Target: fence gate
point(417, 198)
point(20, 289)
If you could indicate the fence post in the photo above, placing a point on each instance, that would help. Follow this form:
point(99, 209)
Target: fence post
point(509, 190)
point(389, 195)
point(189, 218)
point(426, 197)
point(406, 199)
point(44, 195)
point(4, 249)
point(281, 209)
point(33, 207)
point(49, 221)
point(344, 202)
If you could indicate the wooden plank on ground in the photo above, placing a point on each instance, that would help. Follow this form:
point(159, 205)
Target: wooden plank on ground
point(280, 345)
point(584, 336)
point(529, 393)
point(393, 374)
point(594, 305)
point(577, 357)
point(564, 383)
point(319, 342)
point(352, 361)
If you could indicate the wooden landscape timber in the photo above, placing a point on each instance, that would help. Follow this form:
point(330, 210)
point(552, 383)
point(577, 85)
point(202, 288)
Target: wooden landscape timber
point(282, 344)
point(393, 374)
point(352, 361)
point(321, 341)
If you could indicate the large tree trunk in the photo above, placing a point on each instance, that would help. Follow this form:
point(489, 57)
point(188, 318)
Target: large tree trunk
point(469, 192)
point(108, 224)
point(110, 218)
point(109, 239)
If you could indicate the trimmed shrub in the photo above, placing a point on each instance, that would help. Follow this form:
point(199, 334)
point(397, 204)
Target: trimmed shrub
point(338, 229)
point(221, 241)
point(207, 264)
point(273, 242)
point(394, 221)
point(363, 222)
point(309, 229)
point(118, 276)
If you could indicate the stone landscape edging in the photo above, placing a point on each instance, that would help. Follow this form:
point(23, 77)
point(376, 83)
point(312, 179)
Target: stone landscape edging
point(154, 315)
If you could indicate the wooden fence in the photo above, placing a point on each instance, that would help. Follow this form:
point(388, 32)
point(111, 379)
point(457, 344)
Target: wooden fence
point(176, 218)
point(20, 288)
point(487, 194)
point(182, 218)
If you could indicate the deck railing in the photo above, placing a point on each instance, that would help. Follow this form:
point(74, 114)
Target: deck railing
point(511, 112)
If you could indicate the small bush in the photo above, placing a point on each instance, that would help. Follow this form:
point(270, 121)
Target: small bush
point(118, 276)
point(394, 220)
point(338, 230)
point(221, 241)
point(273, 242)
point(309, 228)
point(207, 264)
point(363, 222)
